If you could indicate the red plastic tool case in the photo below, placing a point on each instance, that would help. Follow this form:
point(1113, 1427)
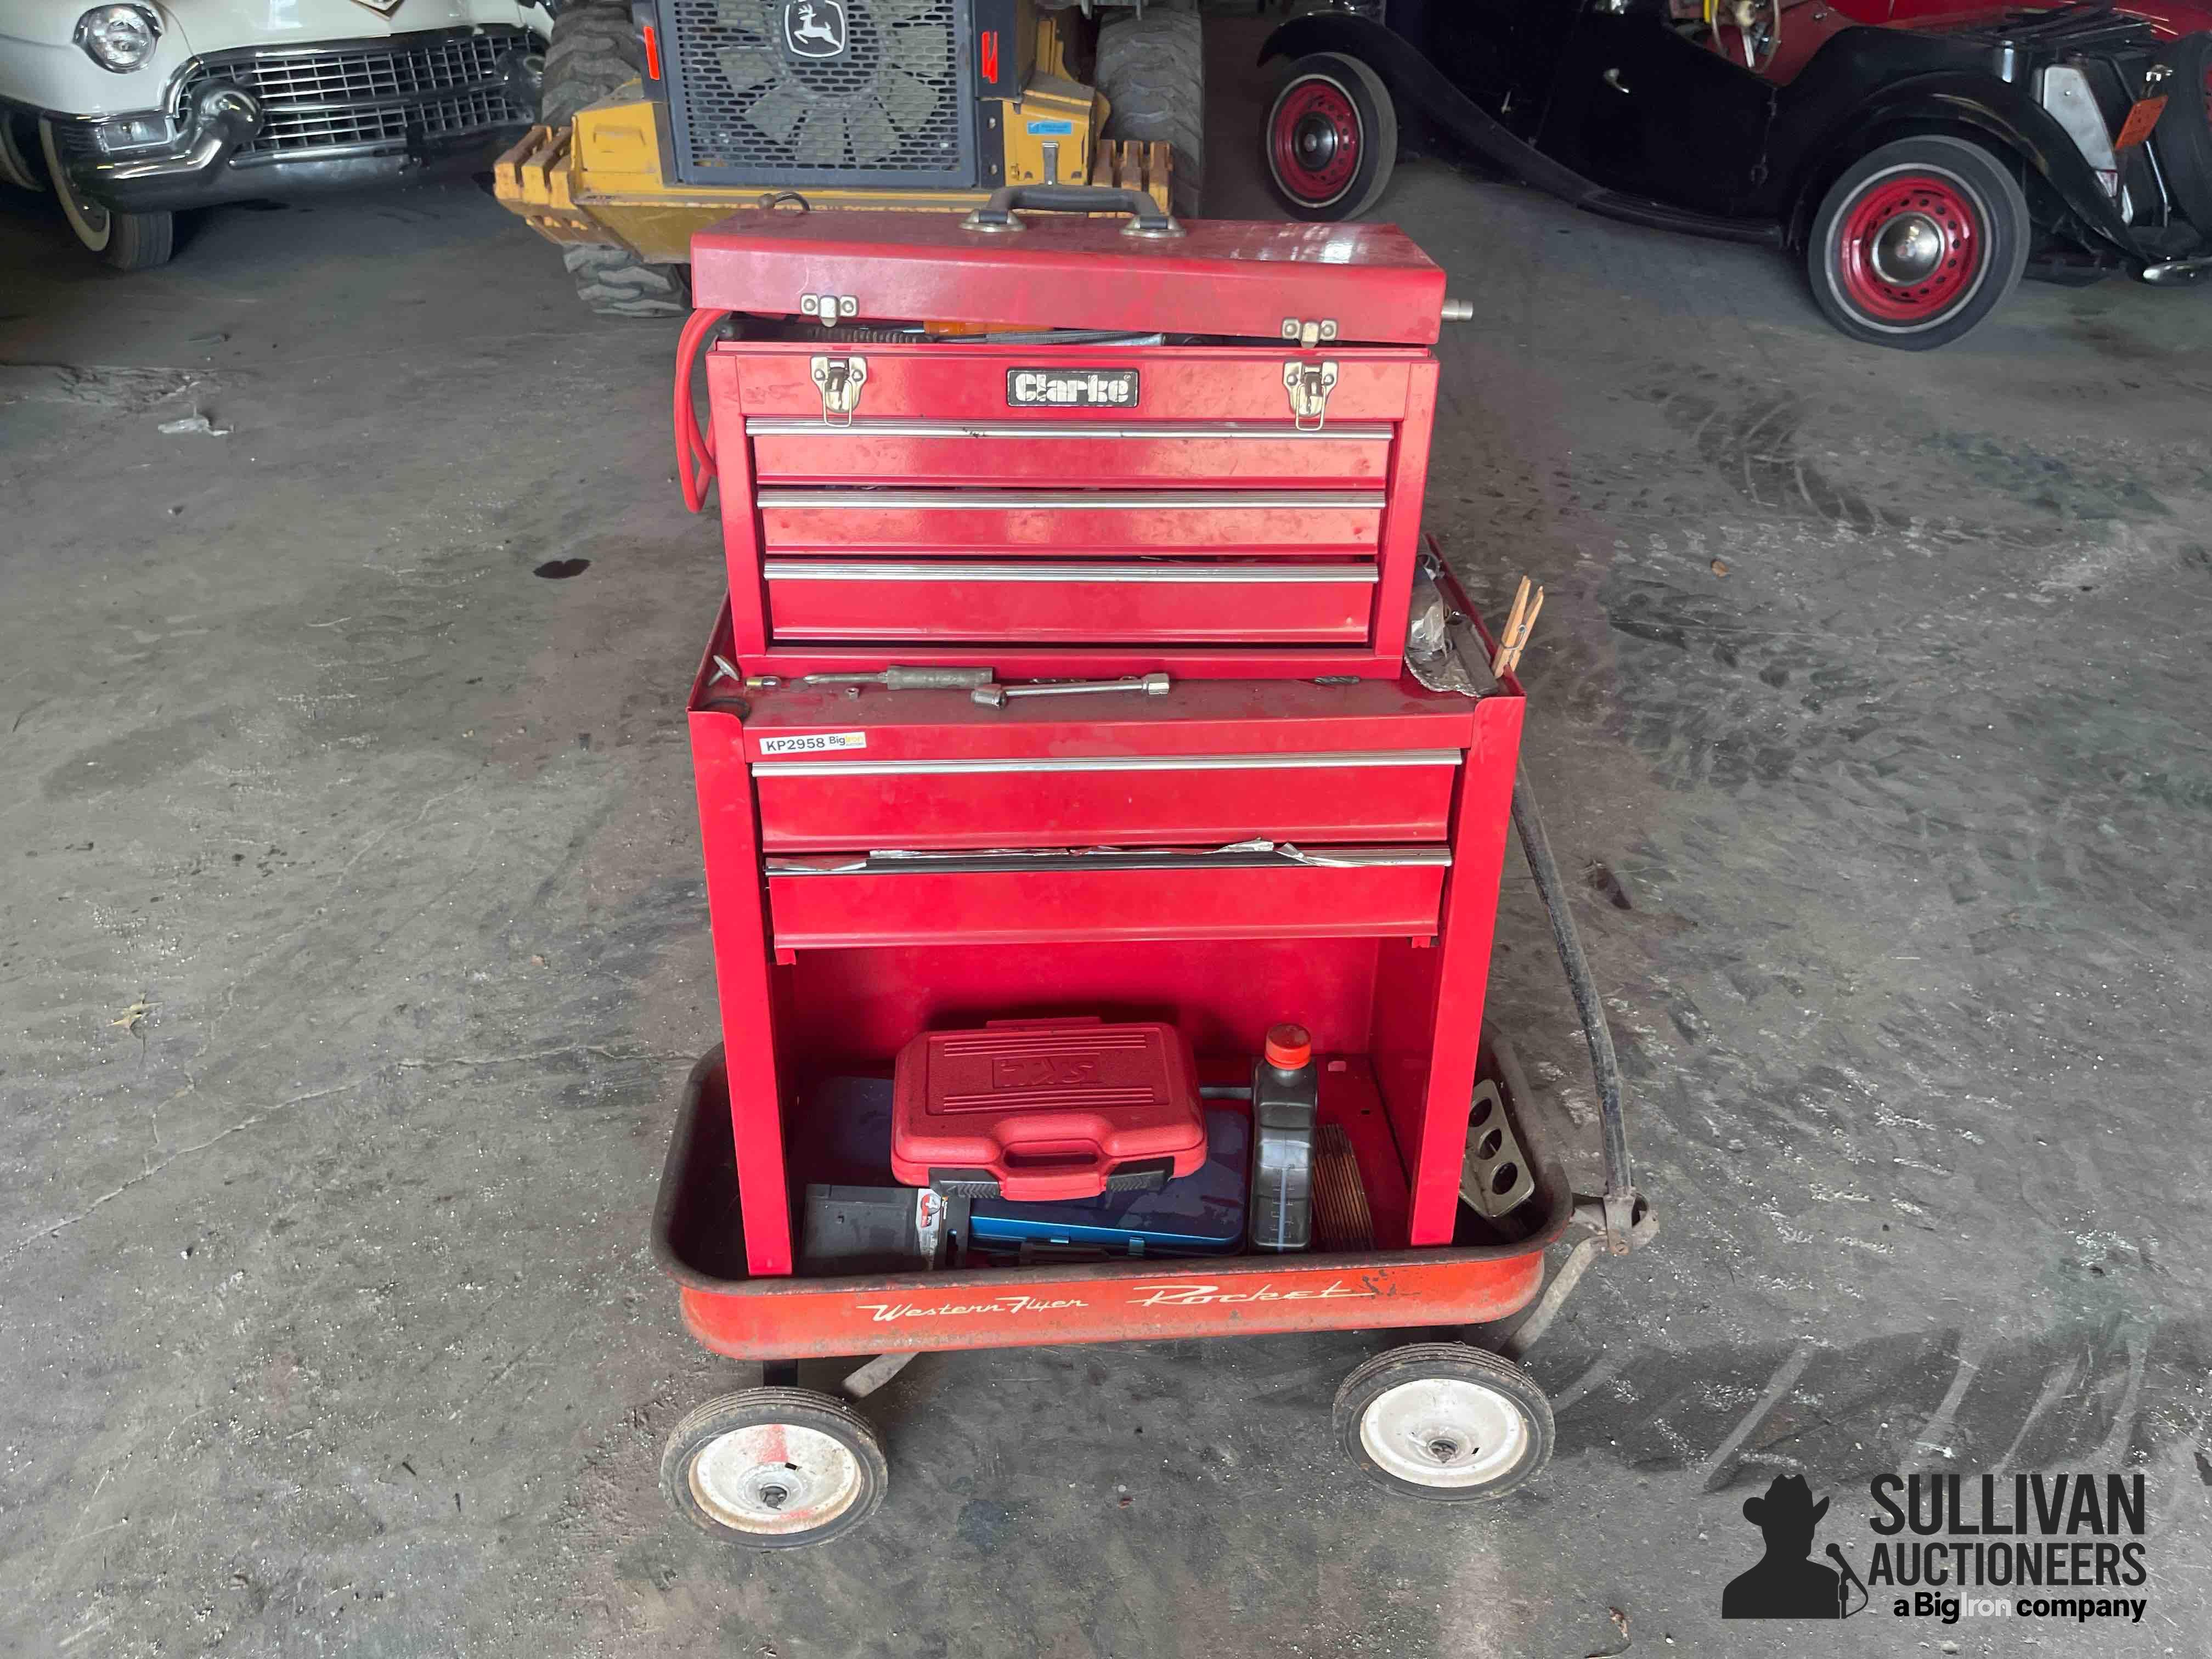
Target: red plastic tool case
point(1246, 504)
point(1036, 1111)
point(1236, 503)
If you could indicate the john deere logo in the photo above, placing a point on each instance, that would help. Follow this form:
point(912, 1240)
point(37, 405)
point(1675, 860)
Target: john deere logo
point(815, 28)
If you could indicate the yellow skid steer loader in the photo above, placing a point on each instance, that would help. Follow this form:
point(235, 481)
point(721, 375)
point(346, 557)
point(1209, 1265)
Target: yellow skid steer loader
point(661, 116)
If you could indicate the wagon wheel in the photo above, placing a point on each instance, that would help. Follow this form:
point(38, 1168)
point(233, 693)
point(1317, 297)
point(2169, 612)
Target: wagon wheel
point(1444, 1422)
point(774, 1469)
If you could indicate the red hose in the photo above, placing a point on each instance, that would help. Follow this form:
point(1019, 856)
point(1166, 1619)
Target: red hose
point(695, 443)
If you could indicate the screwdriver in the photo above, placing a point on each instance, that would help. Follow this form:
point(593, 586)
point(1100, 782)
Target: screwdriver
point(909, 679)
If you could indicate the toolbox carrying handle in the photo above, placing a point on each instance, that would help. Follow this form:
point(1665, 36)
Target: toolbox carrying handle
point(694, 442)
point(1147, 216)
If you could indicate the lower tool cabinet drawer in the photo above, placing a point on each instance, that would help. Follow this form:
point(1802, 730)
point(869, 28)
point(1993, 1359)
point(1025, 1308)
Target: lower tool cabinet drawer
point(997, 899)
point(1079, 800)
point(1071, 602)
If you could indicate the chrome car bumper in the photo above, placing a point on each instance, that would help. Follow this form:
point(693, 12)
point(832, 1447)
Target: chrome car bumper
point(273, 123)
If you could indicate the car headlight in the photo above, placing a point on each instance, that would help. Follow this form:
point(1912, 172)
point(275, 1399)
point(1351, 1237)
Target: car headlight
point(119, 37)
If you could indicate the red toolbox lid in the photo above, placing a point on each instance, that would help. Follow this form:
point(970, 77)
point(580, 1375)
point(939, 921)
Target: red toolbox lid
point(1247, 278)
point(1051, 1108)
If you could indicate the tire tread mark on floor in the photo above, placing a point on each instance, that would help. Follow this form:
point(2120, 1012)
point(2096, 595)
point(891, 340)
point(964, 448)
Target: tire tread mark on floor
point(1714, 1475)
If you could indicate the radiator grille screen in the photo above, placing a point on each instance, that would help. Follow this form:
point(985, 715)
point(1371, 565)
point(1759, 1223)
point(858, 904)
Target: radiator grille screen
point(826, 92)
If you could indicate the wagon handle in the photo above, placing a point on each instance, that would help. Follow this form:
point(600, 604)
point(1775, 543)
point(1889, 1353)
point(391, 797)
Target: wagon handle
point(1620, 1217)
point(1147, 216)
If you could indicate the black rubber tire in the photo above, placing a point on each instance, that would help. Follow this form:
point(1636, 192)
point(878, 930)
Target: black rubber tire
point(125, 241)
point(2182, 137)
point(2001, 210)
point(615, 282)
point(1377, 118)
point(595, 53)
point(1419, 1362)
point(1151, 67)
point(786, 1408)
point(140, 242)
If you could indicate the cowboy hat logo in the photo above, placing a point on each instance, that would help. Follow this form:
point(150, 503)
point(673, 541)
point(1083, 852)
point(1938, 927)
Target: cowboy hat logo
point(1785, 1582)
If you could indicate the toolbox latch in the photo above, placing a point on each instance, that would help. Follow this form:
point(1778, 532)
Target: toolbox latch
point(1310, 384)
point(827, 308)
point(1309, 335)
point(841, 379)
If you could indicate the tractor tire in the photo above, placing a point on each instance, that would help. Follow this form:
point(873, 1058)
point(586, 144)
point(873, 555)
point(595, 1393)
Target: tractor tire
point(594, 54)
point(2182, 137)
point(1151, 68)
point(594, 51)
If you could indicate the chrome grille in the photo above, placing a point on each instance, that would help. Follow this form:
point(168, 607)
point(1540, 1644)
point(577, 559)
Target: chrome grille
point(371, 94)
point(890, 106)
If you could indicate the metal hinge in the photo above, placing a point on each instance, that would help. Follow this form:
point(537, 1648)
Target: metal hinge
point(1310, 384)
point(828, 308)
point(841, 379)
point(1308, 334)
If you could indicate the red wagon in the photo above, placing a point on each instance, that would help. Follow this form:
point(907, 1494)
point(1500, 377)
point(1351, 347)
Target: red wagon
point(1214, 481)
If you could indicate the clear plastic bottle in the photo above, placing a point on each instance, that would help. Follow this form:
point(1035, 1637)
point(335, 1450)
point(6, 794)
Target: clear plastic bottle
point(1285, 1103)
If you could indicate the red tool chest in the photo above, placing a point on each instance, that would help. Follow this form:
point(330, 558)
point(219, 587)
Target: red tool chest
point(1222, 474)
point(1219, 477)
point(1230, 855)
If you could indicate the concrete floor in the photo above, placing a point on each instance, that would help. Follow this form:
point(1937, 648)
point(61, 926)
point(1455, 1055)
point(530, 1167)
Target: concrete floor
point(352, 947)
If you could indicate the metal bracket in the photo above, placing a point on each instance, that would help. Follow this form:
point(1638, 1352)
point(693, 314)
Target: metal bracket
point(827, 308)
point(1310, 384)
point(1308, 334)
point(841, 379)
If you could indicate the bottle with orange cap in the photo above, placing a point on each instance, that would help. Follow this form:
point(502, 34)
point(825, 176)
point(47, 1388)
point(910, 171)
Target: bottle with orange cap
point(1285, 1106)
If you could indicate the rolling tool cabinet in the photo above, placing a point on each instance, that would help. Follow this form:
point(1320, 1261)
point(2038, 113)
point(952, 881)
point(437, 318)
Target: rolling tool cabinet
point(1062, 446)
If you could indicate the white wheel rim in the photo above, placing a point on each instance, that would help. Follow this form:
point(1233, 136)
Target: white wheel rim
point(1444, 1432)
point(776, 1478)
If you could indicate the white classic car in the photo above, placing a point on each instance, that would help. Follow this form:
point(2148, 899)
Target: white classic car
point(130, 109)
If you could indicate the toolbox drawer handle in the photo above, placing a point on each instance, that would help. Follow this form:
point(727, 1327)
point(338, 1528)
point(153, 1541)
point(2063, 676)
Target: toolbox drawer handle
point(820, 570)
point(1046, 861)
point(999, 501)
point(1148, 218)
point(775, 426)
point(1255, 763)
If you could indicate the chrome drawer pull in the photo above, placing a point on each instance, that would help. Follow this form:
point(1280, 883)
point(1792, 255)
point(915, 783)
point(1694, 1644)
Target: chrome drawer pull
point(1059, 571)
point(762, 426)
point(1266, 856)
point(995, 500)
point(1255, 763)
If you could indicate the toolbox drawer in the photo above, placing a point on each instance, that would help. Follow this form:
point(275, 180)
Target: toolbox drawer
point(1104, 453)
point(1050, 522)
point(830, 900)
point(1090, 801)
point(1069, 602)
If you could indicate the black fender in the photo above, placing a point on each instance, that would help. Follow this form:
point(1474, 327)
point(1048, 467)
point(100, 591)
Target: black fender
point(1971, 104)
point(1418, 85)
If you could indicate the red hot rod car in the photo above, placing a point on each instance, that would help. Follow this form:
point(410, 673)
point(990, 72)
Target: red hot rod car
point(1919, 154)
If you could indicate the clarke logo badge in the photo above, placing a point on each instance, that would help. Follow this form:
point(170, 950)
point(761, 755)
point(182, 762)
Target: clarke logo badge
point(815, 28)
point(2025, 1547)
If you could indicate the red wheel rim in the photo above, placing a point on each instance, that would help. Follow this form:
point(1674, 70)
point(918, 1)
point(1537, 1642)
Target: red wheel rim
point(1314, 141)
point(1910, 247)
